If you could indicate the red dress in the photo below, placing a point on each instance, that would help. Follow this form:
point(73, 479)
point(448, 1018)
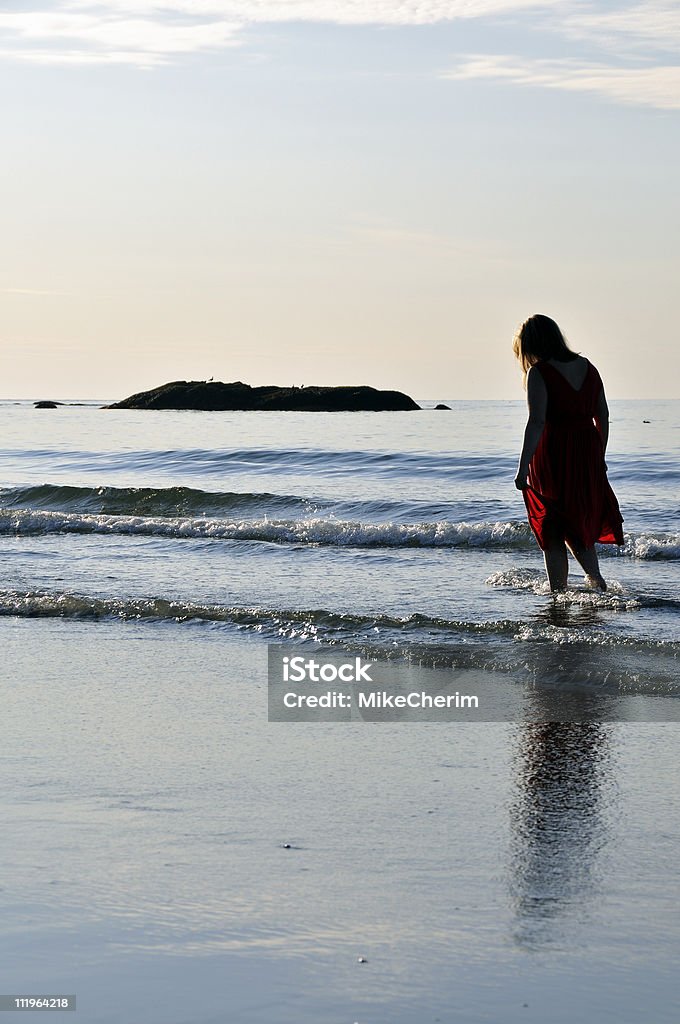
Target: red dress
point(568, 495)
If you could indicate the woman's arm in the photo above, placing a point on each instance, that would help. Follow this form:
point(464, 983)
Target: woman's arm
point(602, 419)
point(537, 400)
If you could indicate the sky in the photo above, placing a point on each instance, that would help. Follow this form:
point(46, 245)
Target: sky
point(336, 192)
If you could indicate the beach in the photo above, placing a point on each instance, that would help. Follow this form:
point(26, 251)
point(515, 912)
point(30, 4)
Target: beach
point(172, 856)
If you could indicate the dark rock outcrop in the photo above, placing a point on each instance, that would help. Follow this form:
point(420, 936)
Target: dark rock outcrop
point(214, 396)
point(442, 406)
point(47, 405)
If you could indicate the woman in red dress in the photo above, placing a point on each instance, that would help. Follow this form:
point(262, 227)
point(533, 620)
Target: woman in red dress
point(562, 473)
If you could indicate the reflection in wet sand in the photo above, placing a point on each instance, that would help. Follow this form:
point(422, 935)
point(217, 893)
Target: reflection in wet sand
point(560, 822)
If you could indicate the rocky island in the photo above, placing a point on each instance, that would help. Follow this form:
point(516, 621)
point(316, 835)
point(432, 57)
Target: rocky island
point(214, 396)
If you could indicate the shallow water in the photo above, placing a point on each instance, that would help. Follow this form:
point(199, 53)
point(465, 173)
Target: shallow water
point(172, 857)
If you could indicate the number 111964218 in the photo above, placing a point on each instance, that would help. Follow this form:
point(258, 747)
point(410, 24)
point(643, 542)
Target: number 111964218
point(31, 1002)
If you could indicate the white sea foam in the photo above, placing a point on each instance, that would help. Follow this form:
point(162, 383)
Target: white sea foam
point(321, 530)
point(651, 545)
point(314, 530)
point(551, 634)
point(426, 632)
point(616, 597)
point(520, 579)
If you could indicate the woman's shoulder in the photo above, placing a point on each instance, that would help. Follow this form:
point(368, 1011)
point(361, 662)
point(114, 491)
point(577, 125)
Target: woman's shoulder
point(537, 386)
point(592, 369)
point(593, 376)
point(535, 372)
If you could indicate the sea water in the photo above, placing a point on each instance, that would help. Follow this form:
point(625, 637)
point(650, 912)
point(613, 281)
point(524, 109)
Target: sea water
point(394, 529)
point(170, 856)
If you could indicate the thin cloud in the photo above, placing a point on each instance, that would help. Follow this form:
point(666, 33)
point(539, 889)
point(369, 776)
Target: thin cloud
point(71, 37)
point(654, 86)
point(85, 57)
point(396, 236)
point(153, 32)
point(653, 25)
point(338, 12)
point(76, 38)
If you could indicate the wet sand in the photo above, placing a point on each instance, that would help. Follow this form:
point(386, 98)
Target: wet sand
point(171, 857)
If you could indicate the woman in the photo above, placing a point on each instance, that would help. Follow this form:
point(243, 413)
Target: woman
point(562, 472)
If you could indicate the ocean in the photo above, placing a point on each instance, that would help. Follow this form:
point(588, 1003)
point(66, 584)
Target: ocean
point(171, 856)
point(401, 531)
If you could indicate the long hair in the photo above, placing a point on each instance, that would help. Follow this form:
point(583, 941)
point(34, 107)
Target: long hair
point(538, 338)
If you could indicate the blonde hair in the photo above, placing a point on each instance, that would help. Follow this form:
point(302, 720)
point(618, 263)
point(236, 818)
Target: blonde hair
point(539, 338)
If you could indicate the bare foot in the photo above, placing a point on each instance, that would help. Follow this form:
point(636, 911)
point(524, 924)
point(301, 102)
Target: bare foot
point(596, 583)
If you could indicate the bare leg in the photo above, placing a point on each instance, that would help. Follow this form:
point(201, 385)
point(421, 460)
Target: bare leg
point(587, 559)
point(556, 565)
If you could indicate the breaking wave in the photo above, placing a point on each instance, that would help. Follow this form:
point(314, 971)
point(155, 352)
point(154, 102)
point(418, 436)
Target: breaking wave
point(310, 530)
point(527, 648)
point(318, 530)
point(318, 623)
